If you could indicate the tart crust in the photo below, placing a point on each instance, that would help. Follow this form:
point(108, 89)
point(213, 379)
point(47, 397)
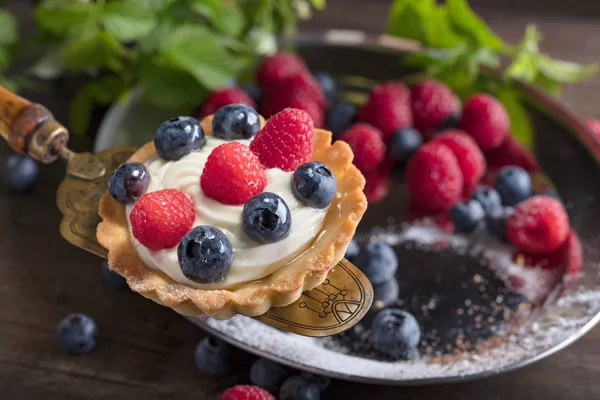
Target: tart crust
point(279, 289)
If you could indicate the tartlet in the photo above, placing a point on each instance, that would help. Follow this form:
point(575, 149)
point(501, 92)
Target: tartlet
point(281, 288)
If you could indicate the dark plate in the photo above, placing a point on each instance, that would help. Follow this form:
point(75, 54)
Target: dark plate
point(481, 314)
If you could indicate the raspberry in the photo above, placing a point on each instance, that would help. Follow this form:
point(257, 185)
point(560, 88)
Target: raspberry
point(433, 177)
point(377, 186)
point(225, 97)
point(594, 125)
point(312, 108)
point(539, 225)
point(431, 103)
point(573, 256)
point(485, 118)
point(388, 108)
point(277, 67)
point(246, 392)
point(285, 92)
point(511, 152)
point(441, 219)
point(286, 140)
point(366, 144)
point(160, 219)
point(469, 157)
point(232, 174)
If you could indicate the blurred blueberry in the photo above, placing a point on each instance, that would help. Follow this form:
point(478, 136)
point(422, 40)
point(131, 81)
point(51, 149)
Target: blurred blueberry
point(514, 185)
point(467, 216)
point(19, 174)
point(452, 121)
point(321, 381)
point(268, 374)
point(77, 334)
point(396, 333)
point(489, 199)
point(299, 388)
point(404, 143)
point(378, 261)
point(340, 117)
point(253, 91)
point(216, 357)
point(329, 86)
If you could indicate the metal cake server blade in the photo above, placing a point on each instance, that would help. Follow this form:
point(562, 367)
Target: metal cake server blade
point(335, 306)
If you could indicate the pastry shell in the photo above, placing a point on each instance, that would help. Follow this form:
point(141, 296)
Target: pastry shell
point(281, 288)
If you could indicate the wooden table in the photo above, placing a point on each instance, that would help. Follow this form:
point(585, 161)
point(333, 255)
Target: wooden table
point(146, 351)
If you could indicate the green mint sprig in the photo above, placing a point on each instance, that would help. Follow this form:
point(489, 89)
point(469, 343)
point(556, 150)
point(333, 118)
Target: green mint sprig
point(8, 40)
point(458, 45)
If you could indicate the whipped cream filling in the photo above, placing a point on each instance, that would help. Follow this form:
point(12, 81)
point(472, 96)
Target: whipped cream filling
point(251, 260)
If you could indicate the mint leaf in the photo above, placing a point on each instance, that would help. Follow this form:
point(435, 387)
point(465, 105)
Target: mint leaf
point(468, 24)
point(550, 86)
point(94, 49)
point(197, 50)
point(318, 4)
point(168, 86)
point(8, 28)
point(50, 65)
point(5, 58)
point(8, 83)
point(156, 5)
point(520, 124)
point(524, 67)
point(224, 15)
point(64, 17)
point(564, 71)
point(128, 20)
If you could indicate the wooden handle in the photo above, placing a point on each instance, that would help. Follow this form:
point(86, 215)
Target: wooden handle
point(30, 128)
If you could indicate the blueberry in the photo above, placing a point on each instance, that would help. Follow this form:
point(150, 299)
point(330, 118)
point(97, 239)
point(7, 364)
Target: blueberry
point(378, 261)
point(268, 374)
point(489, 199)
point(177, 137)
point(299, 388)
point(340, 117)
point(313, 184)
point(452, 121)
point(205, 254)
point(253, 91)
point(266, 218)
point(19, 173)
point(77, 334)
point(467, 216)
point(352, 250)
point(404, 143)
point(385, 294)
point(514, 185)
point(496, 222)
point(321, 381)
point(216, 357)
point(112, 277)
point(235, 122)
point(129, 182)
point(395, 333)
point(328, 85)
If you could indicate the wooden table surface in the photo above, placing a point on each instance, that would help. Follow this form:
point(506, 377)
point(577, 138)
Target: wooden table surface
point(146, 351)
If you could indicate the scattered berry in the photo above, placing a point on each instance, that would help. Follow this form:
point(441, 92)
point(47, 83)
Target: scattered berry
point(268, 374)
point(224, 97)
point(417, 212)
point(367, 145)
point(496, 222)
point(432, 102)
point(112, 277)
point(232, 174)
point(573, 254)
point(452, 121)
point(253, 91)
point(384, 295)
point(246, 392)
point(485, 118)
point(378, 261)
point(539, 225)
point(77, 334)
point(313, 184)
point(312, 108)
point(352, 250)
point(321, 381)
point(467, 216)
point(129, 182)
point(275, 68)
point(395, 333)
point(290, 89)
point(340, 117)
point(511, 152)
point(286, 140)
point(235, 122)
point(377, 186)
point(404, 143)
point(388, 108)
point(177, 137)
point(160, 219)
point(489, 199)
point(19, 173)
point(469, 157)
point(266, 218)
point(433, 177)
point(328, 85)
point(513, 184)
point(216, 357)
point(205, 254)
point(594, 125)
point(299, 388)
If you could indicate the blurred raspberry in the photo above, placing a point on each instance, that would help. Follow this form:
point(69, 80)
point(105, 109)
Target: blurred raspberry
point(388, 108)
